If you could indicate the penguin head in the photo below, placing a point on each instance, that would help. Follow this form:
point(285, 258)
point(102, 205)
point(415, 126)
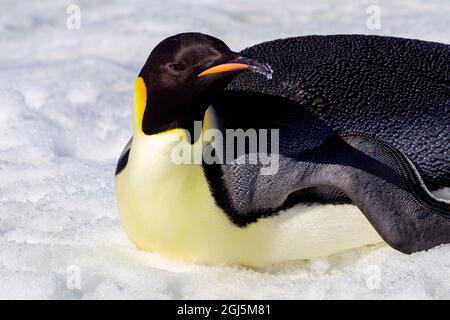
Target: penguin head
point(182, 76)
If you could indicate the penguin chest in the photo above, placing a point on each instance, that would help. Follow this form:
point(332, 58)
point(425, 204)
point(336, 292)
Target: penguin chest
point(167, 207)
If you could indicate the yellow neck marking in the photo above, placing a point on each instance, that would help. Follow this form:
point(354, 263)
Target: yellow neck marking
point(140, 101)
point(178, 131)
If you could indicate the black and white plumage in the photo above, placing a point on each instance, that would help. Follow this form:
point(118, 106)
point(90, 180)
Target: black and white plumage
point(362, 120)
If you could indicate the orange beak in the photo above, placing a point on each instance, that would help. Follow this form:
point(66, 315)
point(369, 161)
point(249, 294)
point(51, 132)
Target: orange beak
point(225, 67)
point(240, 64)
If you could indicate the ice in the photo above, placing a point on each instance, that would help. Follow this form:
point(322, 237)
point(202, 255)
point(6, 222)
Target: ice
point(65, 101)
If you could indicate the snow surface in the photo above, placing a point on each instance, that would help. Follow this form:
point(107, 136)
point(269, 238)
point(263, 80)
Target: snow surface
point(65, 99)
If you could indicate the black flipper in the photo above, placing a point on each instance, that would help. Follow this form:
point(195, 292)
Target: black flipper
point(385, 186)
point(123, 159)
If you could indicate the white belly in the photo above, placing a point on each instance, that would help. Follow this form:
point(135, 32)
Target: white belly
point(168, 208)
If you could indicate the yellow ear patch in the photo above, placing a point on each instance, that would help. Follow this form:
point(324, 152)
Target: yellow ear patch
point(140, 101)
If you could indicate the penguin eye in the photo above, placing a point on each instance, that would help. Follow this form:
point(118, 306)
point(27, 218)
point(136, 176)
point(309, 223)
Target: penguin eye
point(180, 66)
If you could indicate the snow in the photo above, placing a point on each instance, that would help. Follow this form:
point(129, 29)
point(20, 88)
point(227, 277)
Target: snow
point(65, 99)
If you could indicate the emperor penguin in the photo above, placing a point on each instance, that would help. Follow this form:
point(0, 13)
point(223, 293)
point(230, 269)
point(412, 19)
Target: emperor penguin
point(363, 132)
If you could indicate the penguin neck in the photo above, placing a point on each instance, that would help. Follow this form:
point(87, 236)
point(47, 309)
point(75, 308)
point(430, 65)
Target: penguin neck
point(156, 122)
point(164, 113)
point(151, 116)
point(161, 110)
